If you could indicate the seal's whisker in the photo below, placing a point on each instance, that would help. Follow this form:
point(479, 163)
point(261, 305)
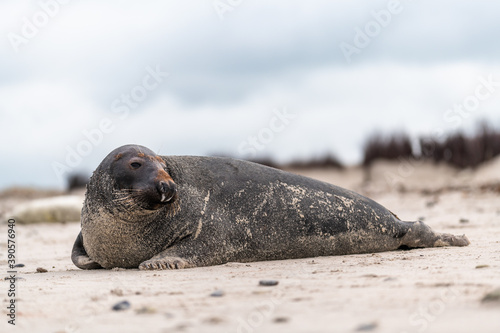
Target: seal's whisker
point(129, 190)
point(128, 197)
point(123, 200)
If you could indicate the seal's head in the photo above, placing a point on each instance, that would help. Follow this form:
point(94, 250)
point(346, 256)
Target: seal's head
point(139, 177)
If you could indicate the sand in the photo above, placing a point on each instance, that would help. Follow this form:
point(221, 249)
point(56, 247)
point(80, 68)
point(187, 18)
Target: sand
point(421, 290)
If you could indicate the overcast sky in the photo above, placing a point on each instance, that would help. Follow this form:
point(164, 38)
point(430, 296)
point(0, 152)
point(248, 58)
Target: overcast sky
point(284, 79)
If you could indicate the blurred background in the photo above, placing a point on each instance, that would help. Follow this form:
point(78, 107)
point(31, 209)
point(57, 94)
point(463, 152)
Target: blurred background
point(286, 81)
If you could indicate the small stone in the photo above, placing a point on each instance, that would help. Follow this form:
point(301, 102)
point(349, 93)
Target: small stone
point(146, 310)
point(18, 265)
point(281, 320)
point(214, 320)
point(482, 266)
point(120, 306)
point(431, 203)
point(370, 275)
point(367, 327)
point(41, 270)
point(117, 292)
point(217, 293)
point(492, 297)
point(464, 220)
point(268, 283)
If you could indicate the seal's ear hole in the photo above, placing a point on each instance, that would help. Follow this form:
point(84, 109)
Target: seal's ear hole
point(135, 165)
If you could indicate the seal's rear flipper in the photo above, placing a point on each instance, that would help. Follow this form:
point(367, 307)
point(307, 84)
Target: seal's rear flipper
point(451, 240)
point(79, 255)
point(419, 234)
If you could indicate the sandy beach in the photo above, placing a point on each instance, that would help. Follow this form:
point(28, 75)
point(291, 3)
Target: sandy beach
point(421, 290)
point(398, 101)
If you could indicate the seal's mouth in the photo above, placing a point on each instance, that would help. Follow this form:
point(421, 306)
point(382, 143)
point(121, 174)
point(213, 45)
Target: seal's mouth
point(150, 199)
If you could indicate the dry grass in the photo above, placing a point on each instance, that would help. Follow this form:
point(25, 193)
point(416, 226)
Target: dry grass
point(461, 150)
point(388, 147)
point(456, 149)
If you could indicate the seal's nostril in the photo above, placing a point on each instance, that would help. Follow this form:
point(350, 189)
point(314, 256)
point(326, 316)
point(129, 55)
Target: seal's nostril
point(167, 190)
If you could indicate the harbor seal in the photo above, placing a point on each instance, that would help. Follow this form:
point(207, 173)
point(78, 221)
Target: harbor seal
point(147, 211)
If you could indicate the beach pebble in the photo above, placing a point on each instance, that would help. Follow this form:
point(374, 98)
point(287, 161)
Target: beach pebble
point(367, 327)
point(492, 297)
point(214, 320)
point(431, 203)
point(217, 293)
point(18, 265)
point(281, 319)
point(268, 283)
point(146, 310)
point(462, 220)
point(123, 305)
point(41, 270)
point(117, 292)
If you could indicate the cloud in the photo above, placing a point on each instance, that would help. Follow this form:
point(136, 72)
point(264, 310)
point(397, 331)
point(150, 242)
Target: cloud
point(219, 62)
point(227, 76)
point(336, 110)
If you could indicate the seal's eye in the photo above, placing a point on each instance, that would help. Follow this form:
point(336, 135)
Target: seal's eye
point(135, 165)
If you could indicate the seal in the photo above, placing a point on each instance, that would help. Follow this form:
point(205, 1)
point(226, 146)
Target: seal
point(147, 211)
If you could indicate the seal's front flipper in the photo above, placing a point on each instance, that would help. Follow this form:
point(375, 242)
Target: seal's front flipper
point(79, 255)
point(163, 261)
point(419, 234)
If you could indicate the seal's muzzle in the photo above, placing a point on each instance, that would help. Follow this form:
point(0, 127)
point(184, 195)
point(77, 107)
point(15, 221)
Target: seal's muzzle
point(167, 190)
